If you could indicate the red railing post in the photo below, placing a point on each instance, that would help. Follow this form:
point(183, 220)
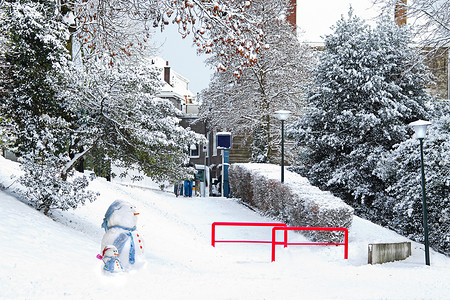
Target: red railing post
point(285, 238)
point(274, 237)
point(213, 235)
point(346, 244)
point(273, 241)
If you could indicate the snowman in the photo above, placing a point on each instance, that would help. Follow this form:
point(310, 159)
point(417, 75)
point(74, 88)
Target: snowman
point(120, 226)
point(110, 259)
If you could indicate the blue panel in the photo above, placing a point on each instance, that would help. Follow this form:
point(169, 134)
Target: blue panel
point(223, 141)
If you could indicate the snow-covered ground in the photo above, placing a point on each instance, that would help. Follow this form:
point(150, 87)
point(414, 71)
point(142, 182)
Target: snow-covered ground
point(46, 259)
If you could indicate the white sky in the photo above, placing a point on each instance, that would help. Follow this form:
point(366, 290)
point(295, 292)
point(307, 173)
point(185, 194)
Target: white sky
point(183, 58)
point(314, 18)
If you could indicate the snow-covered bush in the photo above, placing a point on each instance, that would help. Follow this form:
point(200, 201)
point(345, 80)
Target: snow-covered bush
point(47, 190)
point(295, 202)
point(48, 185)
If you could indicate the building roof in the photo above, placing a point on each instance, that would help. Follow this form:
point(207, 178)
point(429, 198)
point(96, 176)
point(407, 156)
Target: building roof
point(175, 85)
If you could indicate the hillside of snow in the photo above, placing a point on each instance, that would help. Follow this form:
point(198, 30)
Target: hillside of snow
point(44, 258)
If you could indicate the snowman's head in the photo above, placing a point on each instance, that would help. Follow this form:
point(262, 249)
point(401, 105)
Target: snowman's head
point(120, 213)
point(109, 251)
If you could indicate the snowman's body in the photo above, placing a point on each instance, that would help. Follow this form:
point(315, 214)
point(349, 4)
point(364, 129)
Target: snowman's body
point(110, 259)
point(120, 226)
point(128, 243)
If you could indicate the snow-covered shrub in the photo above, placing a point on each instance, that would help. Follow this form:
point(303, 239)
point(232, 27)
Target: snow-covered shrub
point(48, 182)
point(295, 202)
point(47, 190)
point(240, 183)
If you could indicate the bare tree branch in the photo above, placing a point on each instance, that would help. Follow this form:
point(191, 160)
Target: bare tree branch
point(430, 20)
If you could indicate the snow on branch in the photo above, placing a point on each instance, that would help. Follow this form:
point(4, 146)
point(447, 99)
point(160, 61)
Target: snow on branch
point(70, 163)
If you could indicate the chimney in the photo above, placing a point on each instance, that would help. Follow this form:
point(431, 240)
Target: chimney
point(167, 73)
point(400, 12)
point(292, 13)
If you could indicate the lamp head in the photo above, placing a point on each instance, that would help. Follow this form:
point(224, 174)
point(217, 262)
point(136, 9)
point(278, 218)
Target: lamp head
point(283, 114)
point(420, 128)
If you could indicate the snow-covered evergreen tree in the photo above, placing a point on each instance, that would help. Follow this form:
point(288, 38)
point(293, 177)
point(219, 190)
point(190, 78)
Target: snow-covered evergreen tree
point(369, 84)
point(36, 64)
point(36, 60)
point(242, 98)
point(400, 171)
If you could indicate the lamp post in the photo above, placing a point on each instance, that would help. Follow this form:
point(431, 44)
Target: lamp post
point(420, 128)
point(282, 115)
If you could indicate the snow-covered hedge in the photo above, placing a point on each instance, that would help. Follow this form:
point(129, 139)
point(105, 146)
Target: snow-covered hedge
point(296, 202)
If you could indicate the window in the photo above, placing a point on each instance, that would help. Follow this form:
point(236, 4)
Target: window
point(194, 151)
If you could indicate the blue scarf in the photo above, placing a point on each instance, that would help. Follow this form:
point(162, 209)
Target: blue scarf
point(109, 264)
point(120, 243)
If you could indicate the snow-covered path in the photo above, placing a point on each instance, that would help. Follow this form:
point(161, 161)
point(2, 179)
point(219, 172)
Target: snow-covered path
point(44, 259)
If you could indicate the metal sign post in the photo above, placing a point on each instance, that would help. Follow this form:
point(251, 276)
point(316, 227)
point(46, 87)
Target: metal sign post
point(225, 166)
point(205, 153)
point(224, 143)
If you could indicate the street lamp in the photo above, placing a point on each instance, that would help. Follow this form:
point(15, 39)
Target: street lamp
point(282, 115)
point(420, 128)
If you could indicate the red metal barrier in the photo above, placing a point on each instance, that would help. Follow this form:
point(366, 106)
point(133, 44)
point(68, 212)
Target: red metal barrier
point(285, 243)
point(277, 225)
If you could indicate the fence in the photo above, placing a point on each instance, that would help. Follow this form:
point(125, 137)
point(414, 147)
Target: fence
point(286, 229)
point(213, 232)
